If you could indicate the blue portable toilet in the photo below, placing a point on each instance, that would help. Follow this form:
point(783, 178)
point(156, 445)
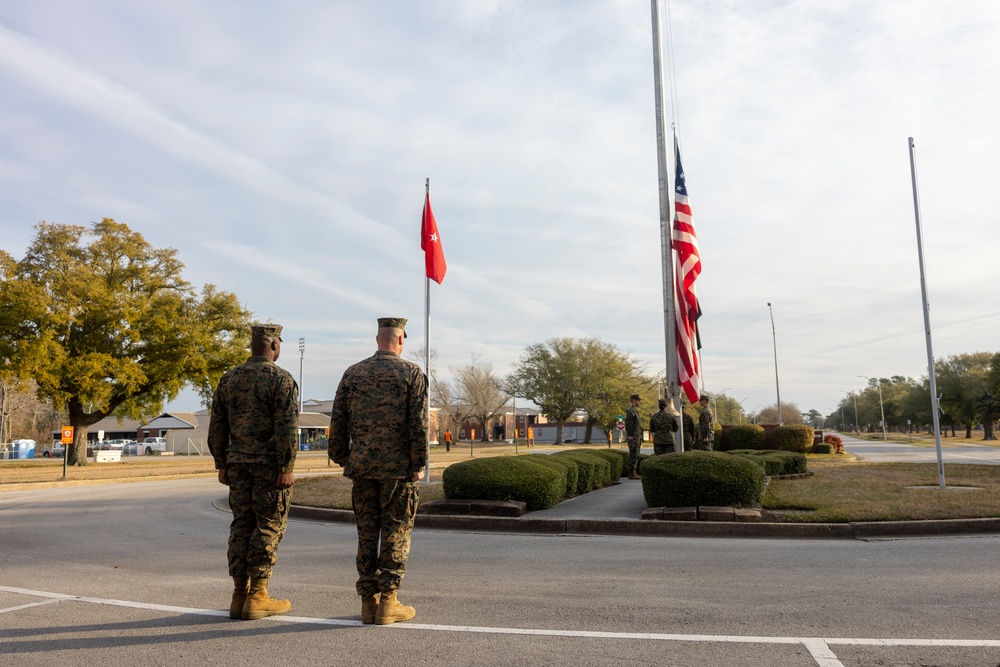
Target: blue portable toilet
point(23, 449)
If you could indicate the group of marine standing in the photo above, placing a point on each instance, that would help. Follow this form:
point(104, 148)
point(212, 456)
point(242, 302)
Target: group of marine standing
point(378, 435)
point(662, 426)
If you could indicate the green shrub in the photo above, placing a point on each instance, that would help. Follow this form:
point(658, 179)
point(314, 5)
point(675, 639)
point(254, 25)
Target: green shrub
point(505, 478)
point(617, 462)
point(823, 448)
point(598, 470)
point(773, 461)
point(685, 479)
point(564, 465)
point(585, 471)
point(638, 465)
point(793, 437)
point(746, 436)
point(623, 453)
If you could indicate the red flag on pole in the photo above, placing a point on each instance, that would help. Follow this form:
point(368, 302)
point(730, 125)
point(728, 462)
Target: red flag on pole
point(430, 243)
point(688, 267)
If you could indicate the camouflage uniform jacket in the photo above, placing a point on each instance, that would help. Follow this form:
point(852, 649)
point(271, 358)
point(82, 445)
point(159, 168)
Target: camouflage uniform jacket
point(633, 425)
point(662, 426)
point(255, 416)
point(378, 426)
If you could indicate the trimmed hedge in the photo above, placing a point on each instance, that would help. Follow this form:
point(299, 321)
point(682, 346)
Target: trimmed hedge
point(794, 437)
point(773, 461)
point(505, 478)
point(600, 469)
point(567, 467)
point(585, 471)
point(617, 462)
point(746, 436)
point(623, 453)
point(686, 479)
point(823, 448)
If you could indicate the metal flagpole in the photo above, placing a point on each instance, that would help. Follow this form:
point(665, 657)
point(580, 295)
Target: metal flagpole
point(427, 348)
point(666, 252)
point(927, 319)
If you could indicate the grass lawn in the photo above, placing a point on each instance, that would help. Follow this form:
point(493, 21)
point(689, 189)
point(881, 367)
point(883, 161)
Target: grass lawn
point(845, 492)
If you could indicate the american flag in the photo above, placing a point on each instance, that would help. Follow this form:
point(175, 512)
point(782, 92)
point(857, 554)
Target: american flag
point(687, 267)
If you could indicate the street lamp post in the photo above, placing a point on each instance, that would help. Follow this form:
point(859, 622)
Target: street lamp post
point(774, 338)
point(881, 407)
point(302, 356)
point(741, 409)
point(717, 419)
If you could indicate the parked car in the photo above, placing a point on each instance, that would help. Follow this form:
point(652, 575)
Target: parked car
point(115, 444)
point(55, 450)
point(151, 445)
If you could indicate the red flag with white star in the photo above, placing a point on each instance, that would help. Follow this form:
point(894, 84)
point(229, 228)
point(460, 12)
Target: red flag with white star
point(430, 243)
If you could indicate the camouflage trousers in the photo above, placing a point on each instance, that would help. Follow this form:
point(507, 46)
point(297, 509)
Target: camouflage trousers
point(260, 515)
point(633, 454)
point(385, 510)
point(663, 447)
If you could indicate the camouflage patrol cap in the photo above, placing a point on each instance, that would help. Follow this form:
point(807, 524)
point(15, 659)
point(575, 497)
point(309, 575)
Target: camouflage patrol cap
point(266, 331)
point(393, 323)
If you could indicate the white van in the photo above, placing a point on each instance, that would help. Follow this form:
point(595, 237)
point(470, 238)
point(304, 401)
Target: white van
point(150, 445)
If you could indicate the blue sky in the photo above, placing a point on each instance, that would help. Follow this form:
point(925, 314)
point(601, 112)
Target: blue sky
point(282, 149)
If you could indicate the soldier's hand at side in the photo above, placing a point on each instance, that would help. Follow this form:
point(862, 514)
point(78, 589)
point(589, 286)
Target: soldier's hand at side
point(417, 475)
point(285, 480)
point(224, 476)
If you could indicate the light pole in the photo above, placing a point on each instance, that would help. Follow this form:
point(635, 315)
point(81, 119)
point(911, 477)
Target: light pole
point(857, 429)
point(717, 419)
point(881, 407)
point(741, 409)
point(774, 337)
point(302, 356)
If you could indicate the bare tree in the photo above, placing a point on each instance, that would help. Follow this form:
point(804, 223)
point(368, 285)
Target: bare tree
point(479, 388)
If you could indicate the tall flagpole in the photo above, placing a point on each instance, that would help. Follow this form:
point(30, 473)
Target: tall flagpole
point(427, 348)
point(666, 252)
point(927, 320)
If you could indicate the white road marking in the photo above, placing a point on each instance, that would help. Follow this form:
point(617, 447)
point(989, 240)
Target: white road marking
point(818, 647)
point(25, 606)
point(821, 653)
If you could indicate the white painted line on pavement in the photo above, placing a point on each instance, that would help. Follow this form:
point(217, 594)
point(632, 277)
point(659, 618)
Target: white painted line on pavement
point(818, 647)
point(25, 606)
point(821, 653)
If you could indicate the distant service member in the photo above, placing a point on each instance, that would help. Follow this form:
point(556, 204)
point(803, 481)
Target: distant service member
point(447, 440)
point(662, 426)
point(633, 434)
point(706, 425)
point(378, 433)
point(253, 437)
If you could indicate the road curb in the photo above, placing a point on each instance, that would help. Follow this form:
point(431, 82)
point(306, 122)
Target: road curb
point(645, 528)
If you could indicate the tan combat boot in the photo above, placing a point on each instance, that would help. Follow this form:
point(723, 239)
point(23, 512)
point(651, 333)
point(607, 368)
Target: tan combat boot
point(240, 589)
point(632, 474)
point(390, 610)
point(259, 604)
point(369, 607)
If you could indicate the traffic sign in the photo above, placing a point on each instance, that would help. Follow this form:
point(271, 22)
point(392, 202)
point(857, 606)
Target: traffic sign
point(67, 435)
point(620, 426)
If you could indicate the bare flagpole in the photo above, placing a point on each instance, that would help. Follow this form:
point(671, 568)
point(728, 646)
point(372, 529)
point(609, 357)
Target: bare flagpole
point(666, 248)
point(927, 318)
point(427, 348)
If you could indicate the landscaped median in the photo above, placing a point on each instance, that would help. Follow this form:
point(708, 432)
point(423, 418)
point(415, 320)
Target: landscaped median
point(836, 499)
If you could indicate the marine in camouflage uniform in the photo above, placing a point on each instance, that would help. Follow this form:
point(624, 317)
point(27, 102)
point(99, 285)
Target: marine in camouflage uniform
point(690, 432)
point(706, 426)
point(378, 434)
point(633, 434)
point(662, 426)
point(253, 437)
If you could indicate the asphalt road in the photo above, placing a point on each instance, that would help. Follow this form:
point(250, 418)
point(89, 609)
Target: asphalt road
point(135, 574)
point(880, 451)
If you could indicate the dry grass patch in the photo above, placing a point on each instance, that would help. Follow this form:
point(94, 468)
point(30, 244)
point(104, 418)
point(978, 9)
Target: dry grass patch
point(878, 492)
point(334, 492)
